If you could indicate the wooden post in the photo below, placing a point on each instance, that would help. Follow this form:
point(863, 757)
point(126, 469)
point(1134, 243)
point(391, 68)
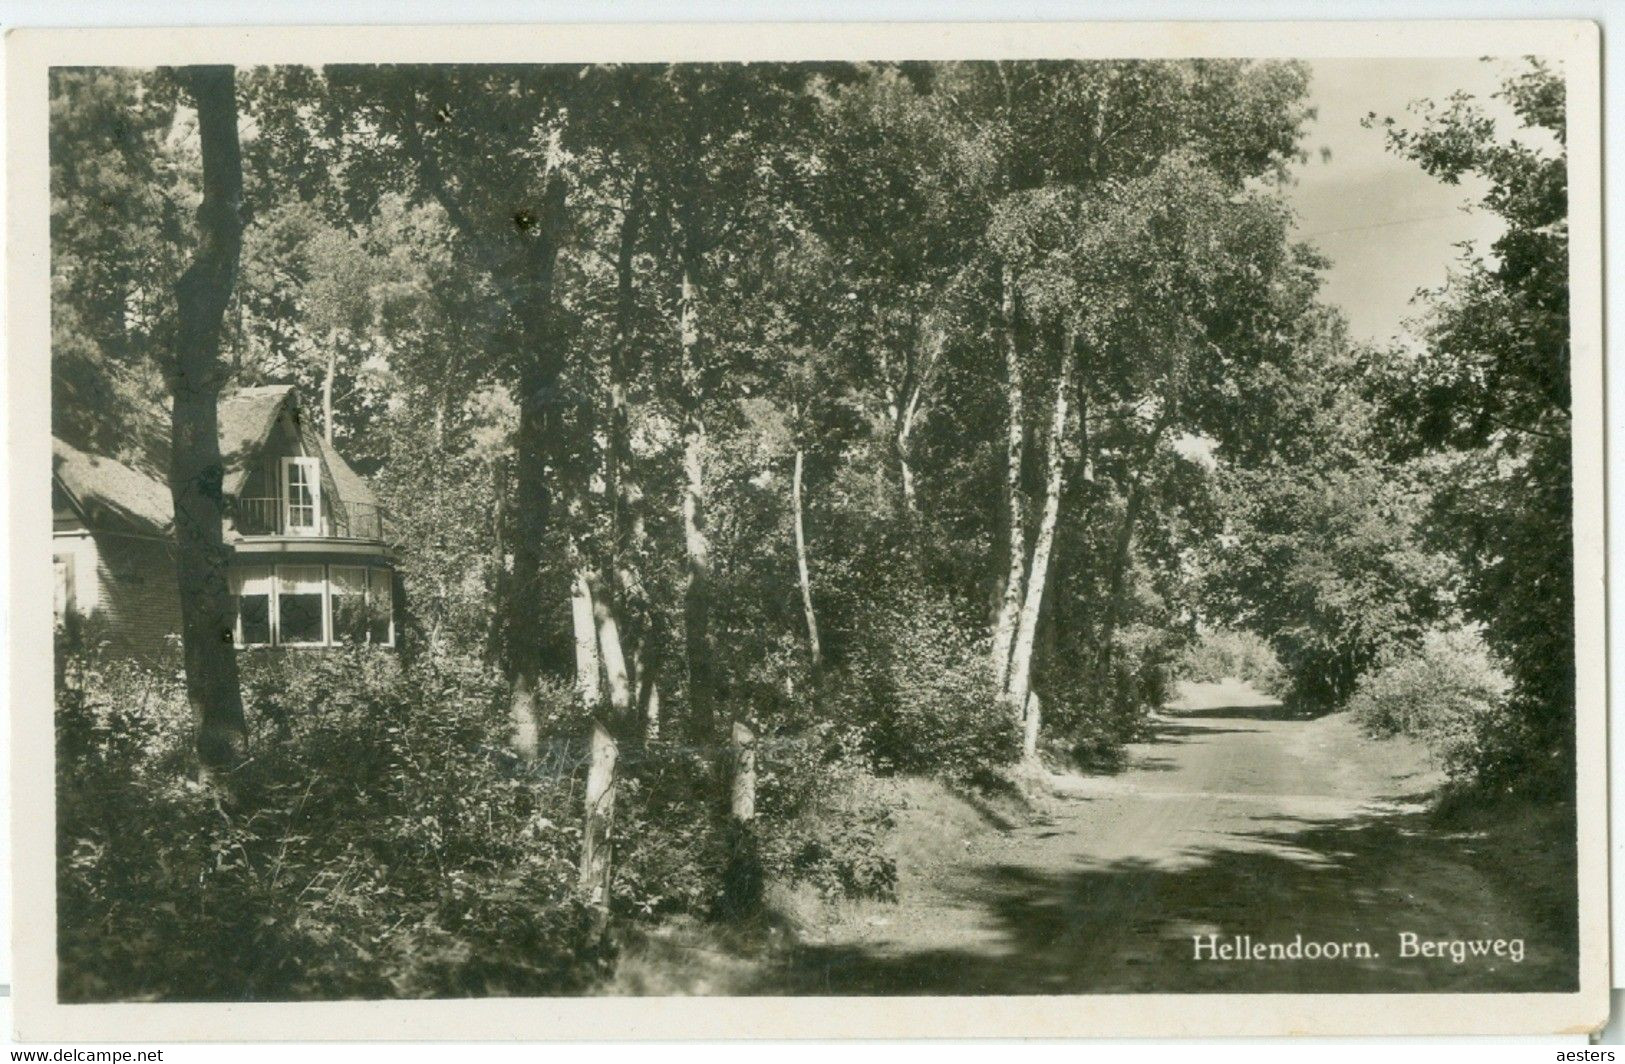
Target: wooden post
point(742, 879)
point(599, 817)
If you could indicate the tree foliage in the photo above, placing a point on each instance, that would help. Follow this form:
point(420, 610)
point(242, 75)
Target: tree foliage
point(1489, 393)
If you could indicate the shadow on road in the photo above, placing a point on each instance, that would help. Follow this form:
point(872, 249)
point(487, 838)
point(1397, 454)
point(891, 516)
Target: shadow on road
point(1273, 711)
point(1128, 925)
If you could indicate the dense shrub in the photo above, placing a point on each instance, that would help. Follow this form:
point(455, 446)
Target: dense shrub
point(822, 818)
point(381, 841)
point(819, 821)
point(1222, 653)
point(1327, 561)
point(1089, 716)
point(377, 843)
point(1448, 693)
point(668, 832)
point(919, 690)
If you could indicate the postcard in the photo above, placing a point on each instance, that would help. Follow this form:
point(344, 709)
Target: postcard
point(807, 531)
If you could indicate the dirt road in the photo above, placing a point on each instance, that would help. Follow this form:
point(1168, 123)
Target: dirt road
point(1237, 820)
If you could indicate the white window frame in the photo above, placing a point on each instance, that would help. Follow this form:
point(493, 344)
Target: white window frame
point(240, 580)
point(332, 582)
point(64, 585)
point(312, 468)
point(271, 574)
point(389, 584)
point(326, 637)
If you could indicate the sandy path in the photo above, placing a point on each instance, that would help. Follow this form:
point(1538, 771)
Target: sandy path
point(1236, 820)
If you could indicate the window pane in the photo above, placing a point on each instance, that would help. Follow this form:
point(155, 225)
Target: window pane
point(379, 609)
point(299, 603)
point(251, 580)
point(251, 587)
point(299, 618)
point(302, 492)
point(254, 617)
point(300, 579)
point(349, 590)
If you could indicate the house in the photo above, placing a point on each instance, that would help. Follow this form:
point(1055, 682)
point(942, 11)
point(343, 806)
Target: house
point(311, 559)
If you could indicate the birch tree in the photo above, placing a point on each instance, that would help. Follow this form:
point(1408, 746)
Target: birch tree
point(712, 138)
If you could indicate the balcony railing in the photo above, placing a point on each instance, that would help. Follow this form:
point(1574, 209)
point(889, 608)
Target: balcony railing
point(348, 520)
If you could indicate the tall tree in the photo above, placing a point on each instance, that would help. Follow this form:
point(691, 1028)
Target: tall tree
point(196, 471)
point(1041, 130)
point(711, 139)
point(487, 145)
point(122, 185)
point(1491, 388)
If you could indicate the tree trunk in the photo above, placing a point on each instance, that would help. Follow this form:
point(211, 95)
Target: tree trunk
point(742, 880)
point(532, 510)
point(1031, 719)
point(646, 667)
point(742, 791)
point(499, 557)
point(599, 816)
point(328, 373)
point(900, 413)
point(697, 579)
point(612, 655)
point(583, 624)
point(907, 473)
point(535, 445)
point(196, 471)
point(610, 592)
point(619, 452)
point(1004, 627)
point(902, 444)
point(814, 649)
point(1021, 658)
point(1119, 573)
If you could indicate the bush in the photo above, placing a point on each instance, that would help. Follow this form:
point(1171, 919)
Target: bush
point(381, 840)
point(668, 831)
point(1222, 653)
point(1089, 718)
point(1449, 694)
point(918, 689)
point(819, 821)
point(822, 818)
point(377, 843)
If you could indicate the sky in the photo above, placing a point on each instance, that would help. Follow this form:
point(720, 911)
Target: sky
point(1388, 228)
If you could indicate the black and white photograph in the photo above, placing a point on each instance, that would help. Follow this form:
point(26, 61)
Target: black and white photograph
point(835, 527)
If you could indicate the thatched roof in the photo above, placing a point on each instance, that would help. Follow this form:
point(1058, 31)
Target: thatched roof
point(247, 417)
point(111, 494)
point(107, 490)
point(352, 488)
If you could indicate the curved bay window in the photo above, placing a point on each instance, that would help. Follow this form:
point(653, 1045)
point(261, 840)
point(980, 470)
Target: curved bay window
point(312, 605)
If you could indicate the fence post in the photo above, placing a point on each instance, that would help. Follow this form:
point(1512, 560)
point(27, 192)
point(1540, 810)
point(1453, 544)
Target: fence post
point(742, 879)
point(599, 817)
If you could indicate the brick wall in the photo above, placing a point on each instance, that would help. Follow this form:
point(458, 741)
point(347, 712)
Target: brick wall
point(127, 584)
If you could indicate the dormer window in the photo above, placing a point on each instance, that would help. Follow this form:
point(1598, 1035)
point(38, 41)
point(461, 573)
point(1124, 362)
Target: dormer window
point(301, 496)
